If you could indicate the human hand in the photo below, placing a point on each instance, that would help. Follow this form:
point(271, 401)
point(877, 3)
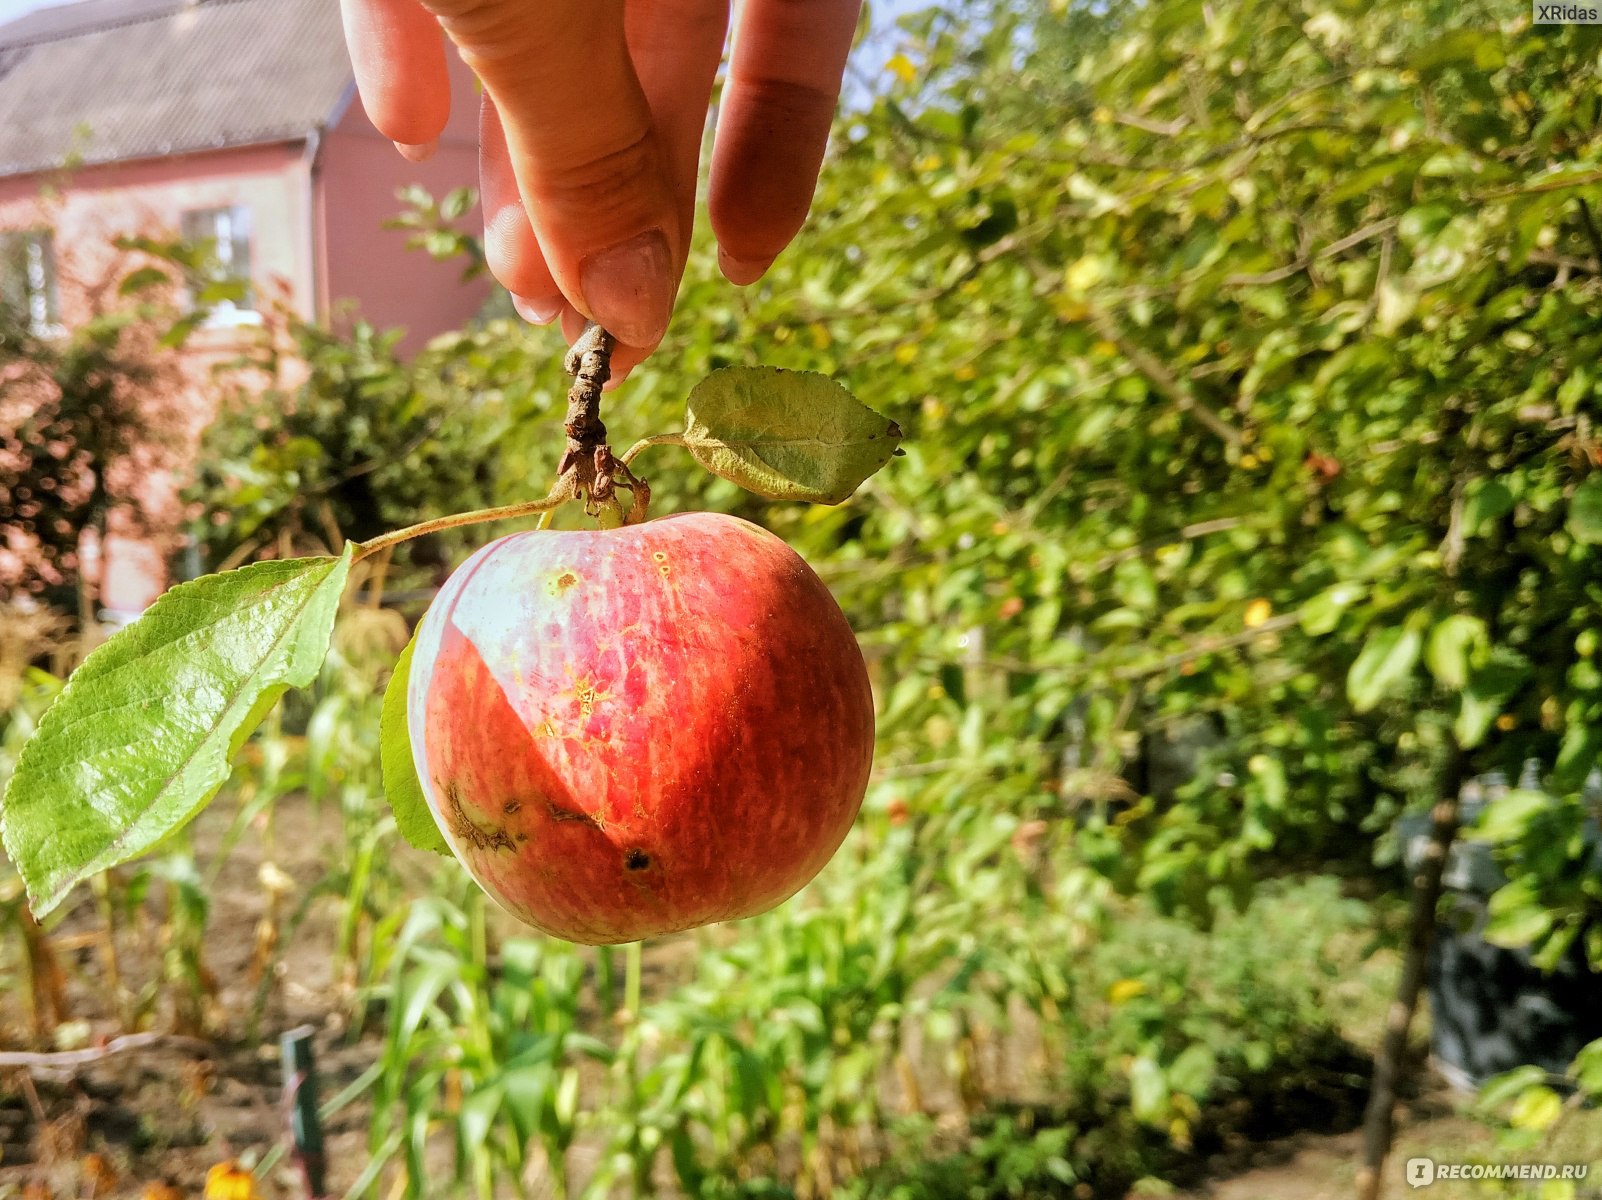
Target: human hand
point(590, 134)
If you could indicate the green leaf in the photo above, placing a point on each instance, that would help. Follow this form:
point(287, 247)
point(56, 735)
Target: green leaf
point(1193, 1071)
point(178, 332)
point(1382, 666)
point(1516, 916)
point(1585, 512)
point(1451, 649)
point(140, 738)
point(401, 785)
point(1489, 689)
point(786, 435)
point(142, 279)
point(1587, 1068)
point(1487, 501)
point(1507, 1086)
point(1148, 1090)
point(457, 202)
point(221, 291)
point(1507, 817)
point(1322, 614)
point(1538, 1108)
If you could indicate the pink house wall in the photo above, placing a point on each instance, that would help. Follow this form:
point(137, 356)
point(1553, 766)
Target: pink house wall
point(317, 242)
point(358, 174)
point(86, 212)
point(93, 205)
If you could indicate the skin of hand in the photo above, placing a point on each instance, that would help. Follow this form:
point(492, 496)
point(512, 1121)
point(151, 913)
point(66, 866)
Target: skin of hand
point(590, 133)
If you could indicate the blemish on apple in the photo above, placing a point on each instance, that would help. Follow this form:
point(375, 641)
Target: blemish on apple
point(738, 734)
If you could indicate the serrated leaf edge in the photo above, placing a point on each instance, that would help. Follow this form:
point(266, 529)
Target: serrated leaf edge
point(42, 905)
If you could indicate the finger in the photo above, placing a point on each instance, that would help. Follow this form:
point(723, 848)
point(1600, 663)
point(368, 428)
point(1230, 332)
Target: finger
point(511, 250)
point(587, 161)
point(676, 46)
point(398, 56)
point(773, 126)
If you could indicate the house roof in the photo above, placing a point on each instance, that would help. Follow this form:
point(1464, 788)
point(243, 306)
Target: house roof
point(106, 80)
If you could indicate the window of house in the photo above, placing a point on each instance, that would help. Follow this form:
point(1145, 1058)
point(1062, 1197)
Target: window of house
point(222, 237)
point(28, 277)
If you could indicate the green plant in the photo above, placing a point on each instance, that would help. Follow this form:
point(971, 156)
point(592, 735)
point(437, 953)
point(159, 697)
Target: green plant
point(78, 413)
point(489, 1043)
point(349, 440)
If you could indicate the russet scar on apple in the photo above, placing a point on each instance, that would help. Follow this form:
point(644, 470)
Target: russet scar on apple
point(628, 732)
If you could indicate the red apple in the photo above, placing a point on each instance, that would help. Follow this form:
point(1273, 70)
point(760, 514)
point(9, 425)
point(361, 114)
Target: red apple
point(632, 731)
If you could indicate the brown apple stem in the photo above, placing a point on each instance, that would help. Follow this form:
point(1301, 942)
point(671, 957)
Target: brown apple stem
point(656, 439)
point(588, 464)
point(590, 364)
point(588, 471)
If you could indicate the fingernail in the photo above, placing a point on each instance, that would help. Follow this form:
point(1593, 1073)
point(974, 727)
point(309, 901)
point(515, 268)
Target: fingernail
point(420, 152)
point(538, 312)
point(629, 288)
point(739, 271)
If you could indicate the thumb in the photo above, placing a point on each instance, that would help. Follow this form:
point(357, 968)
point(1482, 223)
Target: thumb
point(582, 147)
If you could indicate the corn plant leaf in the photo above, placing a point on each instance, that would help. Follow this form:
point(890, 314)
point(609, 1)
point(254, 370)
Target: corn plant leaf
point(786, 435)
point(140, 738)
point(412, 814)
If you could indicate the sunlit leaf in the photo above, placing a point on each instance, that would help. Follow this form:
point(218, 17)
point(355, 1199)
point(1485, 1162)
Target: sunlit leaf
point(1382, 667)
point(141, 736)
point(786, 435)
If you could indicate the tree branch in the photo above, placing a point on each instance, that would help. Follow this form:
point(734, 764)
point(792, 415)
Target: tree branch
point(590, 364)
point(1210, 645)
point(1164, 381)
point(58, 1059)
point(1377, 1119)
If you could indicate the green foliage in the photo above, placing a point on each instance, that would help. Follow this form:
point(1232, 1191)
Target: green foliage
point(785, 435)
point(505, 1034)
point(779, 1065)
point(1551, 852)
point(432, 226)
point(77, 415)
point(364, 442)
point(140, 739)
point(1525, 1106)
point(1246, 358)
point(401, 786)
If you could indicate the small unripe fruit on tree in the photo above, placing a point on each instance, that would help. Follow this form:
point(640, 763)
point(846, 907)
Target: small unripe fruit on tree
point(632, 731)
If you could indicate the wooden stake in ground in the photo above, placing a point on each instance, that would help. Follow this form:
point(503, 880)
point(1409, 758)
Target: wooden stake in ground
point(1377, 1118)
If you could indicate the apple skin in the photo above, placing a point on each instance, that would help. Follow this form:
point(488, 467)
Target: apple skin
point(628, 732)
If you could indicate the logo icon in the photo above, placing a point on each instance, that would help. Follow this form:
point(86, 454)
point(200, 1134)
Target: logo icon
point(1420, 1172)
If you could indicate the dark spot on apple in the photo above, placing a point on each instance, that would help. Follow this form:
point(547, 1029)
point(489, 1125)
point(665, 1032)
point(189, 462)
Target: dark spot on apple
point(510, 807)
point(565, 580)
point(637, 860)
point(558, 813)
